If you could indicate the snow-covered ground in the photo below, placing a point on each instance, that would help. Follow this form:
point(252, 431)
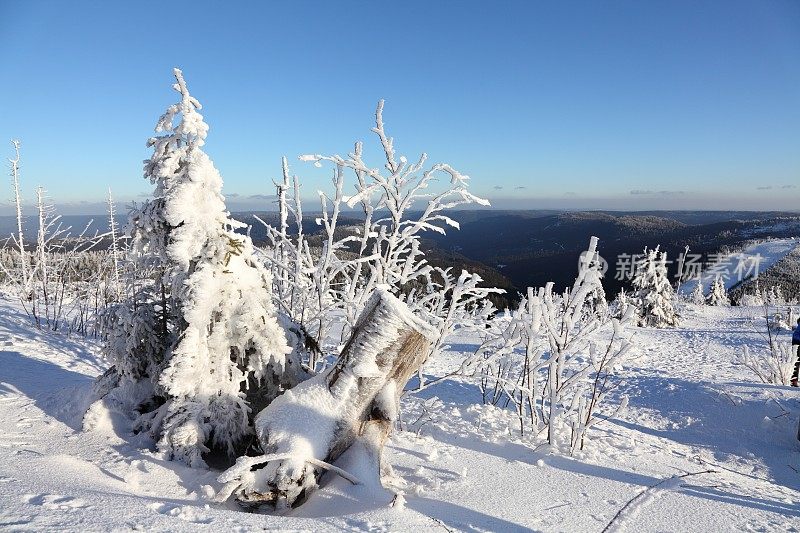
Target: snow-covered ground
point(691, 410)
point(733, 268)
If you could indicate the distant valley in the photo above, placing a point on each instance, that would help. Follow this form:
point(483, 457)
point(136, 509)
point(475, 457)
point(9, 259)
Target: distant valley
point(517, 249)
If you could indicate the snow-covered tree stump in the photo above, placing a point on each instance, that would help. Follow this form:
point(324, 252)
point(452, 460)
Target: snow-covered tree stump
point(311, 425)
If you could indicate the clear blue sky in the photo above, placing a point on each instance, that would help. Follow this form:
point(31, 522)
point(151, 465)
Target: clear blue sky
point(611, 104)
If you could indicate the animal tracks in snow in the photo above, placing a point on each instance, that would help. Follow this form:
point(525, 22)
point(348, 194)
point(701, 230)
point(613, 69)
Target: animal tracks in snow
point(55, 502)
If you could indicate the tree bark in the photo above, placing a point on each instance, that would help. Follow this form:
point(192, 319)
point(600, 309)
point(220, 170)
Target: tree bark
point(311, 425)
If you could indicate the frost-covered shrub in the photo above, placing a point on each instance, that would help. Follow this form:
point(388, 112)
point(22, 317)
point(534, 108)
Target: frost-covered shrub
point(447, 303)
point(773, 365)
point(653, 294)
point(49, 274)
point(399, 202)
point(198, 323)
point(569, 355)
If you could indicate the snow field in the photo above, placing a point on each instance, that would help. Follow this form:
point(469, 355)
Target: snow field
point(459, 465)
point(730, 269)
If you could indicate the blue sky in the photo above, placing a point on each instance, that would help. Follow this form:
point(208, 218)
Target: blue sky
point(627, 105)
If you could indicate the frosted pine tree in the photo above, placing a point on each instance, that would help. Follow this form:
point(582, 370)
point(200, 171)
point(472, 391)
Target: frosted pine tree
point(201, 329)
point(653, 293)
point(698, 296)
point(620, 305)
point(775, 296)
point(717, 295)
point(754, 295)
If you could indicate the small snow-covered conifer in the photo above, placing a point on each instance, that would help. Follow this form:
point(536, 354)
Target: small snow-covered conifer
point(653, 293)
point(201, 328)
point(752, 295)
point(717, 295)
point(775, 296)
point(620, 304)
point(698, 297)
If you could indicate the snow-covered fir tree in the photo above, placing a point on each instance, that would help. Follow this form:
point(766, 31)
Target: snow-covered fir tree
point(754, 295)
point(775, 296)
point(620, 305)
point(653, 294)
point(698, 296)
point(200, 330)
point(717, 295)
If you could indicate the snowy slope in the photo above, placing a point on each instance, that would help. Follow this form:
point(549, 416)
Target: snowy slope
point(691, 410)
point(761, 255)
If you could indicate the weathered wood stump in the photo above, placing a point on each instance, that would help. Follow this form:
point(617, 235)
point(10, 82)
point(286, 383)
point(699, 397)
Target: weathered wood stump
point(311, 425)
